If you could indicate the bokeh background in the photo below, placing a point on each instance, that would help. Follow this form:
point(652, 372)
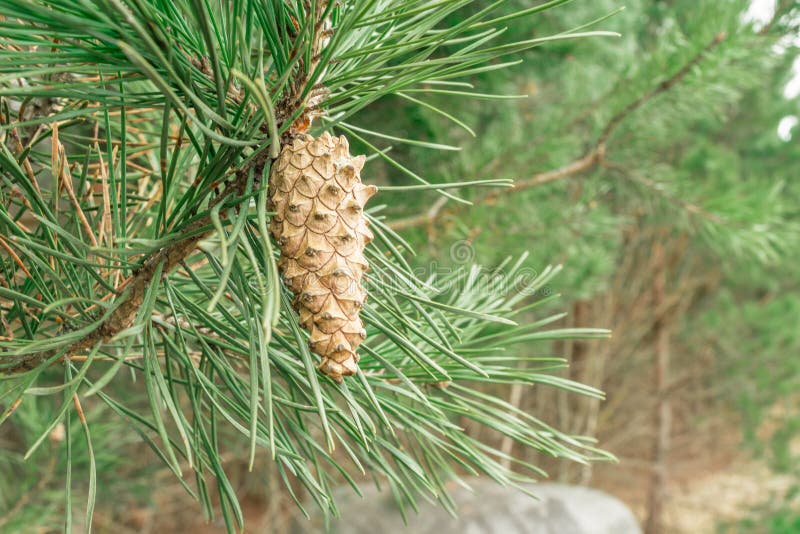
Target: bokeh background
point(661, 170)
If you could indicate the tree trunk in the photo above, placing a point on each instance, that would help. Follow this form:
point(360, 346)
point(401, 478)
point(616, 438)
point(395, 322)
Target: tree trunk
point(662, 414)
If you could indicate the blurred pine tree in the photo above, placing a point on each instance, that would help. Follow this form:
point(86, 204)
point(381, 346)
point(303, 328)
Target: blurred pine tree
point(690, 171)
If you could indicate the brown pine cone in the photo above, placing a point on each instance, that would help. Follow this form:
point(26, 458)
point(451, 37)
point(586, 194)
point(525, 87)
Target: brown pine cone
point(316, 193)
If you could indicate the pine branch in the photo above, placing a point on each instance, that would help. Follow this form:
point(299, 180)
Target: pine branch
point(215, 342)
point(133, 289)
point(590, 160)
point(165, 259)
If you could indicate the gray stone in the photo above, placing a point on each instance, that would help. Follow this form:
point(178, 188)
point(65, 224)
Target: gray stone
point(489, 509)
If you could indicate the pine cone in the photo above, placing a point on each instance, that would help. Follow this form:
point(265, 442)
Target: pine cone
point(316, 193)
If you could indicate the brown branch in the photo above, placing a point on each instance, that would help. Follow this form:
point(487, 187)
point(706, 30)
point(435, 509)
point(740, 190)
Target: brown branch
point(173, 254)
point(591, 159)
point(167, 257)
point(418, 220)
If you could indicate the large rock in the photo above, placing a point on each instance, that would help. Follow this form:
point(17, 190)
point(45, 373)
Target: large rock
point(558, 509)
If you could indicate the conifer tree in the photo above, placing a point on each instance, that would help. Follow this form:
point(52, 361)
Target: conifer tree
point(174, 217)
point(652, 167)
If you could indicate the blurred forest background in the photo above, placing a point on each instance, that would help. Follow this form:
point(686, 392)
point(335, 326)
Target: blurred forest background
point(660, 170)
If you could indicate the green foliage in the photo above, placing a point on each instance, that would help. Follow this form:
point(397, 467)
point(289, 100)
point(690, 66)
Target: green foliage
point(703, 185)
point(134, 128)
point(698, 159)
point(33, 490)
point(163, 107)
point(775, 519)
point(753, 342)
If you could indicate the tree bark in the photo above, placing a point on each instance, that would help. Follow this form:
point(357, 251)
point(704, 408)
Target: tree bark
point(662, 413)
